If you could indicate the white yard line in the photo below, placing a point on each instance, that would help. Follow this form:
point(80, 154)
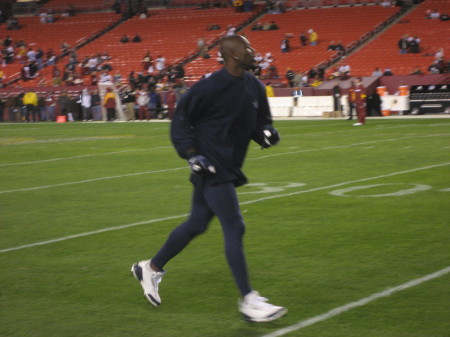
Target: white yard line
point(348, 145)
point(91, 180)
point(242, 203)
point(60, 140)
point(359, 303)
point(65, 158)
point(180, 168)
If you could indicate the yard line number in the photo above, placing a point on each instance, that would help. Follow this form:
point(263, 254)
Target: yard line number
point(395, 189)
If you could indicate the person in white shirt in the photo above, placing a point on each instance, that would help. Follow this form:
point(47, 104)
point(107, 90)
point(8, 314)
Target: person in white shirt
point(160, 63)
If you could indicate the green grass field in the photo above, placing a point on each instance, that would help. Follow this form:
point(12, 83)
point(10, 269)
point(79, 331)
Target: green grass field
point(334, 214)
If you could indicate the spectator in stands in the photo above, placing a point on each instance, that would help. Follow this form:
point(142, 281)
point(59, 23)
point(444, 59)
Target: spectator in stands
point(340, 47)
point(269, 90)
point(272, 72)
point(433, 14)
point(129, 100)
point(377, 72)
point(416, 71)
point(434, 67)
point(345, 71)
point(388, 72)
point(303, 39)
point(86, 105)
point(439, 54)
point(109, 102)
point(105, 77)
point(160, 63)
point(285, 47)
point(136, 38)
point(403, 44)
point(78, 80)
point(290, 74)
point(201, 44)
point(64, 47)
point(117, 78)
point(21, 54)
point(25, 73)
point(313, 37)
point(230, 30)
point(56, 72)
point(214, 26)
point(124, 38)
point(71, 10)
point(12, 23)
point(332, 46)
point(147, 61)
point(132, 80)
point(300, 79)
point(50, 57)
point(10, 54)
point(57, 81)
point(444, 17)
point(142, 101)
point(43, 17)
point(386, 3)
point(414, 45)
point(31, 55)
point(273, 26)
point(143, 15)
point(266, 25)
point(69, 78)
point(257, 25)
point(50, 17)
point(50, 104)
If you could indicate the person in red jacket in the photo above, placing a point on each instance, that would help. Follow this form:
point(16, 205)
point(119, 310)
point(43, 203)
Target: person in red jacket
point(357, 97)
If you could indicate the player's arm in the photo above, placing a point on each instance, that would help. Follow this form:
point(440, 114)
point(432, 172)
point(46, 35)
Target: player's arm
point(183, 133)
point(265, 134)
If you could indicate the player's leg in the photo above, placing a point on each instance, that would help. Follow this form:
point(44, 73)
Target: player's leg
point(150, 272)
point(196, 224)
point(223, 200)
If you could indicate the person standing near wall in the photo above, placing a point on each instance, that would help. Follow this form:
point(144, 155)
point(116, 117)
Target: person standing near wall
point(357, 96)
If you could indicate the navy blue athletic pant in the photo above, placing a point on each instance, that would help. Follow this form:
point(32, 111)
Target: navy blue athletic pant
point(207, 201)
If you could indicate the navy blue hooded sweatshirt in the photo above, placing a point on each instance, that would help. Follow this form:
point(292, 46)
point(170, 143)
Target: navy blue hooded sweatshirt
point(217, 118)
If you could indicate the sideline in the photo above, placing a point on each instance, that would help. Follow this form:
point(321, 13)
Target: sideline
point(363, 301)
point(108, 229)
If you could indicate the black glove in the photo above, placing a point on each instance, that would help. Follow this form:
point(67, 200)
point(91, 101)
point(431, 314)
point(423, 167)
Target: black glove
point(271, 136)
point(199, 164)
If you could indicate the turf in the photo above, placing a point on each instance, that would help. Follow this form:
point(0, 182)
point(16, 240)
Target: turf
point(334, 214)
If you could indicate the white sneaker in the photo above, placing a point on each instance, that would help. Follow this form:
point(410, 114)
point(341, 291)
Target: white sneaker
point(255, 308)
point(357, 124)
point(149, 280)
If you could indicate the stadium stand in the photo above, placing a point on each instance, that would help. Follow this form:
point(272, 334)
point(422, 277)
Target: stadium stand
point(172, 33)
point(383, 51)
point(73, 30)
point(353, 23)
point(332, 24)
